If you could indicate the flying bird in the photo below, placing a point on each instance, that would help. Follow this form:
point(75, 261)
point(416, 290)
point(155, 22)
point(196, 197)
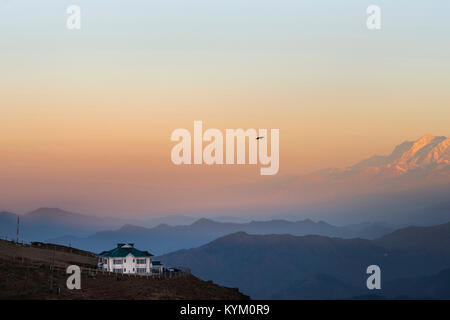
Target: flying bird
point(259, 138)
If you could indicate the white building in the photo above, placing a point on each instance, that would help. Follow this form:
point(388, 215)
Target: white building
point(127, 259)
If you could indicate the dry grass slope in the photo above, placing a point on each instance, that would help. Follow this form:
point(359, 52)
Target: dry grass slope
point(28, 272)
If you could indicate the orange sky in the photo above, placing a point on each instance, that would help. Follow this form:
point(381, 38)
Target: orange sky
point(86, 117)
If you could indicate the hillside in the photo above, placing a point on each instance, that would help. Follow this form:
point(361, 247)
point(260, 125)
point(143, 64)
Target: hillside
point(436, 286)
point(425, 239)
point(284, 266)
point(318, 286)
point(47, 254)
point(25, 273)
point(261, 265)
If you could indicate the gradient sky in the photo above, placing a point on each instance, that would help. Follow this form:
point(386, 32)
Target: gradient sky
point(86, 115)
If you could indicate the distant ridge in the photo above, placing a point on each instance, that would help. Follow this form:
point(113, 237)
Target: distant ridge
point(164, 238)
point(46, 213)
point(319, 267)
point(49, 222)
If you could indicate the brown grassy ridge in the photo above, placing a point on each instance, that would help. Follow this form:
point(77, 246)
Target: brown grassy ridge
point(39, 273)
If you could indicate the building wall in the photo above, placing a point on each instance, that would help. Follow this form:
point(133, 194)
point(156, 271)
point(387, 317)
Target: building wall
point(129, 264)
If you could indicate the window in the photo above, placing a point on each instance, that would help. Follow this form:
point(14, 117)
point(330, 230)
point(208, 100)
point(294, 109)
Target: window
point(141, 270)
point(118, 270)
point(118, 261)
point(141, 261)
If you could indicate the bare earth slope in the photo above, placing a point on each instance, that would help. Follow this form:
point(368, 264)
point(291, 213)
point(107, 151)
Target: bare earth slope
point(27, 273)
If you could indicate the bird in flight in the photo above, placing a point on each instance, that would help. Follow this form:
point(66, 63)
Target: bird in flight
point(259, 138)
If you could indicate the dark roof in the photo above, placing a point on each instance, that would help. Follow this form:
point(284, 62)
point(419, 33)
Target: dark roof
point(156, 263)
point(124, 251)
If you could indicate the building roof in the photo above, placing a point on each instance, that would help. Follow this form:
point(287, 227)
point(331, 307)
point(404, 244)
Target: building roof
point(156, 263)
point(123, 250)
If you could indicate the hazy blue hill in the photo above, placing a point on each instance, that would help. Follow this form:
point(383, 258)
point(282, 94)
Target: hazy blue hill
point(267, 265)
point(419, 239)
point(45, 223)
point(263, 265)
point(8, 224)
point(164, 238)
point(371, 230)
point(437, 213)
point(84, 231)
point(436, 286)
point(318, 286)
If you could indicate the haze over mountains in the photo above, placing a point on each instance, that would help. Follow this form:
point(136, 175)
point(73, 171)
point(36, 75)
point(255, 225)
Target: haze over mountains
point(165, 238)
point(426, 158)
point(409, 186)
point(98, 234)
point(46, 223)
point(274, 258)
point(317, 267)
point(428, 150)
point(395, 188)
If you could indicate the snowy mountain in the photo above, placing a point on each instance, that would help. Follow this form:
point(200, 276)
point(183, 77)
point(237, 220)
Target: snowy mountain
point(391, 188)
point(429, 153)
point(423, 157)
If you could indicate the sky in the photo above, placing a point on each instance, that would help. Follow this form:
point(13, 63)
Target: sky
point(86, 115)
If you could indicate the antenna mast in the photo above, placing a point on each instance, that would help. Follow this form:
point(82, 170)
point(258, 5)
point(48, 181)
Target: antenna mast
point(17, 231)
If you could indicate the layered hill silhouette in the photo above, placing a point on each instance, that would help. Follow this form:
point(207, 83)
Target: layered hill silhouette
point(409, 186)
point(165, 238)
point(91, 233)
point(45, 223)
point(314, 267)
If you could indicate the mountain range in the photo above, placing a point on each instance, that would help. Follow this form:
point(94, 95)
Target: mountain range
point(45, 223)
point(164, 238)
point(98, 234)
point(317, 267)
point(397, 188)
point(409, 186)
point(427, 159)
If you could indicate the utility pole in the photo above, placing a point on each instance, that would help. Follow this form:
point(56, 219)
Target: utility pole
point(51, 269)
point(17, 231)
